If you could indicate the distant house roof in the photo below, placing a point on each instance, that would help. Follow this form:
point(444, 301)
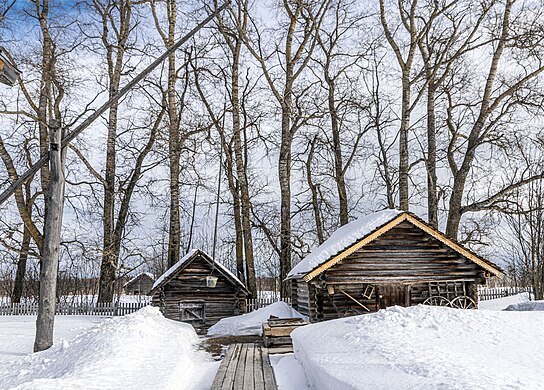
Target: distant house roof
point(188, 259)
point(139, 276)
point(354, 235)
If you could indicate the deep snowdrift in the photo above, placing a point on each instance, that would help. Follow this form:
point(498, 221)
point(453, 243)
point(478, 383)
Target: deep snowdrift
point(139, 351)
point(526, 306)
point(503, 303)
point(251, 323)
point(424, 347)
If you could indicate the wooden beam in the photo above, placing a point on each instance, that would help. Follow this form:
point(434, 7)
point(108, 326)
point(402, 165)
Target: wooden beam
point(354, 300)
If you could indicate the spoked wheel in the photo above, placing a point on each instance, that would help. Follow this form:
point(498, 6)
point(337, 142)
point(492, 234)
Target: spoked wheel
point(437, 301)
point(463, 302)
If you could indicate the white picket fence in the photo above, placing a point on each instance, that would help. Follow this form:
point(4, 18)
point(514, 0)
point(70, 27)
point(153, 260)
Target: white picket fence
point(95, 309)
point(487, 293)
point(257, 303)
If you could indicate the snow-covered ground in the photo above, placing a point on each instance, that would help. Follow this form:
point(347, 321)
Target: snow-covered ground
point(252, 323)
point(138, 351)
point(420, 347)
point(17, 333)
point(503, 303)
point(424, 347)
point(288, 372)
point(526, 306)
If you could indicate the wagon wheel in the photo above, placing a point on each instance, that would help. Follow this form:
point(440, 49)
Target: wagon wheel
point(437, 301)
point(463, 302)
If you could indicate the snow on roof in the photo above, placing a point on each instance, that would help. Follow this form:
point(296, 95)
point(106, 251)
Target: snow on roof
point(137, 276)
point(173, 269)
point(343, 238)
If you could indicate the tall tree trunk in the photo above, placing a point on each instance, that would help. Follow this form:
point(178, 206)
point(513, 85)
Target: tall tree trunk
point(408, 18)
point(51, 250)
point(174, 147)
point(432, 195)
point(284, 172)
point(42, 11)
point(236, 209)
point(403, 142)
point(241, 173)
point(110, 255)
point(21, 267)
point(315, 194)
point(337, 149)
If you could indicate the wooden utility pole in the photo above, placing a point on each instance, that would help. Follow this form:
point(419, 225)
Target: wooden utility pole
point(51, 249)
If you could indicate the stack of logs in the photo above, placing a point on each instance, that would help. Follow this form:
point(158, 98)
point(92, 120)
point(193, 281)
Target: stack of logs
point(277, 333)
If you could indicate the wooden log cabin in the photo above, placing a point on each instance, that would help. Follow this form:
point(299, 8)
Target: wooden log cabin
point(141, 284)
point(199, 291)
point(384, 259)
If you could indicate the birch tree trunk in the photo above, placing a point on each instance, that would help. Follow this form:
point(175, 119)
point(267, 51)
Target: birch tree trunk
point(234, 42)
point(408, 18)
point(115, 53)
point(314, 188)
point(174, 139)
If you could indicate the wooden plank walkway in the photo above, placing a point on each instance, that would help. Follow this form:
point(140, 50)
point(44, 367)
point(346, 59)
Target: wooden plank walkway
point(245, 367)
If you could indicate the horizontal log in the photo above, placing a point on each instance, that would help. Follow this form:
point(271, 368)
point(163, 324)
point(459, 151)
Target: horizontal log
point(442, 267)
point(393, 279)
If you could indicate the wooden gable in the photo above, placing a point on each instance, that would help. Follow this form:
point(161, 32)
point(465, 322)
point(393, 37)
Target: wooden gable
point(404, 254)
point(192, 278)
point(409, 222)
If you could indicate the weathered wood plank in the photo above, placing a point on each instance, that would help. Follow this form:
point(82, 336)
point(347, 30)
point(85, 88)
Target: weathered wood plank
point(268, 373)
point(240, 368)
point(258, 375)
point(245, 367)
point(230, 376)
point(223, 371)
point(249, 368)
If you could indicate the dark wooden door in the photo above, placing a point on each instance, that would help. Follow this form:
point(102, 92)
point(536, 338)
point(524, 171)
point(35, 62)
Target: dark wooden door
point(192, 312)
point(391, 295)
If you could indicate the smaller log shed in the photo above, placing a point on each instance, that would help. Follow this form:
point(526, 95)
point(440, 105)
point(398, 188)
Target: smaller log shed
point(141, 284)
point(185, 292)
point(384, 259)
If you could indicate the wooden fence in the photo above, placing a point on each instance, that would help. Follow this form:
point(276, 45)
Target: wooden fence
point(254, 304)
point(487, 293)
point(123, 308)
point(95, 309)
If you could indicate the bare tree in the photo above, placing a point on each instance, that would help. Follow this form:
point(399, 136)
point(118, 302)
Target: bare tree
point(500, 97)
point(234, 43)
point(115, 27)
point(303, 22)
point(338, 66)
point(408, 18)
